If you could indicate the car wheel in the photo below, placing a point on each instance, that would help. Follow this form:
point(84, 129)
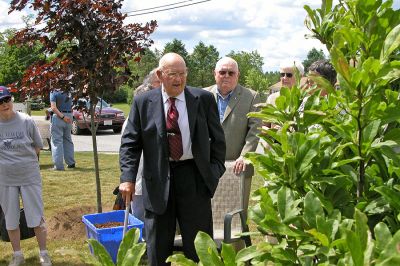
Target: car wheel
point(75, 130)
point(117, 130)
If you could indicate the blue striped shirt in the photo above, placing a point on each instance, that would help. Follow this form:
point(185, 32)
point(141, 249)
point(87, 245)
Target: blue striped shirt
point(222, 104)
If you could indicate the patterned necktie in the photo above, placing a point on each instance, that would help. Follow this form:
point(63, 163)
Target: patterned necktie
point(173, 131)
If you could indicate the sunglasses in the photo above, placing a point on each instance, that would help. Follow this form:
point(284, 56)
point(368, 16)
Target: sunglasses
point(5, 100)
point(288, 75)
point(223, 73)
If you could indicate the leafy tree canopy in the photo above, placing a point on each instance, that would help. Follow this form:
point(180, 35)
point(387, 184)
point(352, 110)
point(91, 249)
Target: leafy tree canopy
point(14, 60)
point(246, 62)
point(91, 44)
point(176, 46)
point(312, 56)
point(202, 64)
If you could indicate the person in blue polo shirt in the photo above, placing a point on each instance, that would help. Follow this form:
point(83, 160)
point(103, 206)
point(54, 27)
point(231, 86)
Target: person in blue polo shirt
point(62, 146)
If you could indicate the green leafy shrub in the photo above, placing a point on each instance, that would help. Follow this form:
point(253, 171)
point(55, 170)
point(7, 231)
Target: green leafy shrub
point(332, 163)
point(129, 253)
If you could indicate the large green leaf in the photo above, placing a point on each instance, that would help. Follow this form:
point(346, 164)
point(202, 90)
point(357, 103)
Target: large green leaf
point(311, 14)
point(379, 144)
point(361, 228)
point(287, 205)
point(100, 253)
point(390, 195)
point(134, 254)
point(392, 42)
point(347, 161)
point(312, 209)
point(382, 236)
point(291, 170)
point(307, 151)
point(265, 208)
point(181, 260)
point(394, 260)
point(282, 229)
point(281, 100)
point(354, 245)
point(329, 227)
point(370, 131)
point(322, 238)
point(391, 249)
point(340, 63)
point(207, 250)
point(249, 253)
point(390, 114)
point(130, 239)
point(228, 254)
point(286, 255)
point(377, 206)
point(284, 137)
point(394, 135)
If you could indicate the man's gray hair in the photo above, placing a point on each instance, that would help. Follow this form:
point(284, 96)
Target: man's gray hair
point(146, 85)
point(225, 60)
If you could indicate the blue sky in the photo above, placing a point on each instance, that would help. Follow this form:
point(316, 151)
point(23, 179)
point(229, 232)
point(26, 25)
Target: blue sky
point(275, 28)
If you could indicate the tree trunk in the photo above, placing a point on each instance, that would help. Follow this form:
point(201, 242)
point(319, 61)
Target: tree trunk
point(93, 129)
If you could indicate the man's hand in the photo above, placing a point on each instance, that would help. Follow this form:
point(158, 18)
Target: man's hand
point(239, 166)
point(127, 189)
point(67, 120)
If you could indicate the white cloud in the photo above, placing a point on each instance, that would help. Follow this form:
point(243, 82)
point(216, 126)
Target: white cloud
point(275, 28)
point(12, 20)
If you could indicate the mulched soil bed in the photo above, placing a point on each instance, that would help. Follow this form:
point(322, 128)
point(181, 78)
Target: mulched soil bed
point(68, 224)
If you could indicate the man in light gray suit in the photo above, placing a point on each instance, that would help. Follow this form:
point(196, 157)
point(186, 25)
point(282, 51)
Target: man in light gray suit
point(234, 103)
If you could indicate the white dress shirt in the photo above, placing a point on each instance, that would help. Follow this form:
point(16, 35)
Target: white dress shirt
point(183, 122)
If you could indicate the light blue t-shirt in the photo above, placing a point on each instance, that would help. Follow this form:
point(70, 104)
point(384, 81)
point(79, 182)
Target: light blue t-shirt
point(19, 164)
point(62, 99)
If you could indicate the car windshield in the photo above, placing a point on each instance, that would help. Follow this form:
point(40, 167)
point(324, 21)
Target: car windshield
point(100, 103)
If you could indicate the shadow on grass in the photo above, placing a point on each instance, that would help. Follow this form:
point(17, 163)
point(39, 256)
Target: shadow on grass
point(49, 167)
point(35, 262)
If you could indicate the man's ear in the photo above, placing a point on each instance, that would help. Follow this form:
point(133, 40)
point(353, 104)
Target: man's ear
point(159, 75)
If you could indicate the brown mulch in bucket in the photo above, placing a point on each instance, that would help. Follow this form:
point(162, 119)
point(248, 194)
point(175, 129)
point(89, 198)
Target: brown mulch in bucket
point(109, 225)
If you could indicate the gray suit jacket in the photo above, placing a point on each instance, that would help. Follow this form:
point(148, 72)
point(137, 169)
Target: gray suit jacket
point(240, 131)
point(146, 131)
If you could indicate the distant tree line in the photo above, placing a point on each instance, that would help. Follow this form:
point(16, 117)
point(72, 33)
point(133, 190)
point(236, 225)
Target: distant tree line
point(201, 62)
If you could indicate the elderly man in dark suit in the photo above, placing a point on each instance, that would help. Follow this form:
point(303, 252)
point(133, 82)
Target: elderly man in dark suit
point(183, 144)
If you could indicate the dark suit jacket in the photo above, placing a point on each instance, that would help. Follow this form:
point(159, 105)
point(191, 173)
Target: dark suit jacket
point(146, 131)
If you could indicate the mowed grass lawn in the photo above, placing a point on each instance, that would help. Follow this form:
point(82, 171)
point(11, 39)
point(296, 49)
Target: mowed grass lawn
point(67, 196)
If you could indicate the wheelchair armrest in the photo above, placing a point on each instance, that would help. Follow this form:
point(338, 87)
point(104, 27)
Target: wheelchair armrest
point(228, 226)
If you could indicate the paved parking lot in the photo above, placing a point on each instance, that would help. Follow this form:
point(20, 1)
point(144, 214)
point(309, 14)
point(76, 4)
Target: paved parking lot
point(107, 140)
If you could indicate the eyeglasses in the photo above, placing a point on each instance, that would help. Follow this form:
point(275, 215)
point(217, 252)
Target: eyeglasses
point(5, 100)
point(175, 74)
point(288, 75)
point(223, 73)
